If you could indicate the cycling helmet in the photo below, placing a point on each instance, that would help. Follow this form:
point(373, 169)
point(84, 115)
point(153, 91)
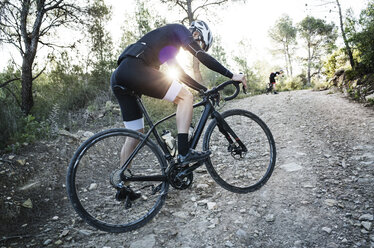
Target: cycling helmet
point(205, 33)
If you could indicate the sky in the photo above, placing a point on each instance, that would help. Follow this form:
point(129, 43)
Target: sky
point(249, 22)
point(233, 22)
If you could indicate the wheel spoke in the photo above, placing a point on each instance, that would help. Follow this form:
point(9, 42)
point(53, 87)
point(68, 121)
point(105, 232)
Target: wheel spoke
point(92, 194)
point(238, 171)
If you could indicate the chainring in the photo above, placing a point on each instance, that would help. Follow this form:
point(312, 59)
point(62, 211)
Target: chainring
point(178, 182)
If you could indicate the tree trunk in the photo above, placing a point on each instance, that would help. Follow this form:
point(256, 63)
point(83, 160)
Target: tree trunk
point(289, 60)
point(309, 64)
point(195, 61)
point(27, 98)
point(290, 63)
point(347, 47)
point(30, 40)
point(286, 59)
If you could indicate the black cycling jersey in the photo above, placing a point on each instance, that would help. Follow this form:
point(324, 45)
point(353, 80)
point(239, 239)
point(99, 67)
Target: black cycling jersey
point(139, 63)
point(272, 76)
point(162, 44)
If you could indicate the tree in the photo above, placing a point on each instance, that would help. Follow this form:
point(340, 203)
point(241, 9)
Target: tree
point(192, 8)
point(24, 24)
point(363, 38)
point(218, 52)
point(346, 43)
point(243, 65)
point(145, 21)
point(284, 34)
point(319, 37)
point(101, 44)
point(337, 5)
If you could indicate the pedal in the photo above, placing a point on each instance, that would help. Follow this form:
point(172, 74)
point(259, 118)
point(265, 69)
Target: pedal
point(156, 189)
point(128, 203)
point(121, 194)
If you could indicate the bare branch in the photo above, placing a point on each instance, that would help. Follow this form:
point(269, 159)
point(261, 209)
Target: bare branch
point(209, 4)
point(57, 4)
point(52, 45)
point(14, 96)
point(40, 73)
point(8, 82)
point(182, 5)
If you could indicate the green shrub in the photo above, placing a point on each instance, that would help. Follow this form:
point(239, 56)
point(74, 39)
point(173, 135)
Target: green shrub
point(337, 60)
point(28, 131)
point(290, 83)
point(321, 85)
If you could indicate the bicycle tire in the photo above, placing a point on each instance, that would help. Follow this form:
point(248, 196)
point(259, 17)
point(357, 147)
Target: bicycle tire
point(91, 193)
point(251, 172)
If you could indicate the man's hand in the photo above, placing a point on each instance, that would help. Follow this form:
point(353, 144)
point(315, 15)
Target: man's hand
point(240, 78)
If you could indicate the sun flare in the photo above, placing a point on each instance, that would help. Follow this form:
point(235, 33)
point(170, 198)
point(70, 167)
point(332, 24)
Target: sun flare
point(172, 73)
point(183, 60)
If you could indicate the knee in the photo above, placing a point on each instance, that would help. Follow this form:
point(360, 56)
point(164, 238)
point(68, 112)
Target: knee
point(184, 96)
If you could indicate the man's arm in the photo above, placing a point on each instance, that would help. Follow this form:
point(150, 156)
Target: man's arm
point(207, 60)
point(185, 78)
point(213, 64)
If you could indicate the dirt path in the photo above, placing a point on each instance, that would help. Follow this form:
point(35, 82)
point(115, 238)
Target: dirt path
point(321, 193)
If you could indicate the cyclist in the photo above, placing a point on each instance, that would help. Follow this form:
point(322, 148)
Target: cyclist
point(272, 82)
point(138, 70)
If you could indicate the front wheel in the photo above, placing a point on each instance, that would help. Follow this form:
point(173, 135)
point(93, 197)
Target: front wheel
point(232, 167)
point(92, 194)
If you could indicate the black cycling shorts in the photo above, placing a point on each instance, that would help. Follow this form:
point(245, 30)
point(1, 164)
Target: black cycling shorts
point(135, 75)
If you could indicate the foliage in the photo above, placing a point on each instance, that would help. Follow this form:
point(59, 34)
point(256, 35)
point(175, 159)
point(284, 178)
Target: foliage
point(10, 110)
point(25, 24)
point(337, 60)
point(101, 45)
point(158, 109)
point(146, 20)
point(28, 130)
point(283, 33)
point(363, 39)
point(241, 60)
point(210, 77)
point(321, 85)
point(320, 39)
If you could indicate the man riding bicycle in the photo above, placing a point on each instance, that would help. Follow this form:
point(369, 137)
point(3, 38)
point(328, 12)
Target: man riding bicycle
point(138, 70)
point(271, 86)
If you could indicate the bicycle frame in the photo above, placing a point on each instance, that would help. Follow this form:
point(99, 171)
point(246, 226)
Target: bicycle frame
point(209, 110)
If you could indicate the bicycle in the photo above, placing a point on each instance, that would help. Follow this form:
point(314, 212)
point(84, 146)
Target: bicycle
point(242, 160)
point(269, 88)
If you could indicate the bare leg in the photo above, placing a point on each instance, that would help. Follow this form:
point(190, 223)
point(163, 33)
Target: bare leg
point(129, 147)
point(184, 100)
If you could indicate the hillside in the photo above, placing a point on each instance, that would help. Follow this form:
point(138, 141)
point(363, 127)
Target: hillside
point(321, 193)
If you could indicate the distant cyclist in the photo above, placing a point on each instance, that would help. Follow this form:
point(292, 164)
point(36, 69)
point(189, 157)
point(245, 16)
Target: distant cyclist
point(272, 82)
point(138, 70)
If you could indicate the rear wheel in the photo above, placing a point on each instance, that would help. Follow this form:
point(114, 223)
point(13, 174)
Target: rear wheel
point(231, 167)
point(92, 194)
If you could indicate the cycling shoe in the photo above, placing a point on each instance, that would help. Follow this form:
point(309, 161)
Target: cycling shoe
point(125, 192)
point(193, 156)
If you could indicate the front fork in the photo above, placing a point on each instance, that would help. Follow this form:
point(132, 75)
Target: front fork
point(237, 149)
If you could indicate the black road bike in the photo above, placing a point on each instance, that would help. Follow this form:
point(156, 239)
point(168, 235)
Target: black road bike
point(269, 88)
point(242, 160)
